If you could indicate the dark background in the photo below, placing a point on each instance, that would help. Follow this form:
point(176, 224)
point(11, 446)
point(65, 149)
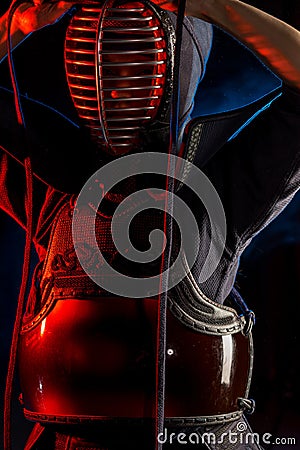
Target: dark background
point(269, 275)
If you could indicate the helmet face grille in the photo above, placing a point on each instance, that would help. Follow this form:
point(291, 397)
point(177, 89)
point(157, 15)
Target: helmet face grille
point(116, 62)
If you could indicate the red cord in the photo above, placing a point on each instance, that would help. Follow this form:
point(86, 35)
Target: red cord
point(19, 312)
point(27, 249)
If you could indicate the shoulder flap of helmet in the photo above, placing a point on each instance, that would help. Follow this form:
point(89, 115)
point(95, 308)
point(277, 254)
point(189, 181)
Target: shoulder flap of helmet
point(205, 135)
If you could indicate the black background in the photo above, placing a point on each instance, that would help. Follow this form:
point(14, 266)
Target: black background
point(269, 275)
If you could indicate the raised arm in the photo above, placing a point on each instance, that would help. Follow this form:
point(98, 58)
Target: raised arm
point(29, 17)
point(275, 42)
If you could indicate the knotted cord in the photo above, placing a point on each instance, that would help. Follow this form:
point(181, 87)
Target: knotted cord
point(28, 240)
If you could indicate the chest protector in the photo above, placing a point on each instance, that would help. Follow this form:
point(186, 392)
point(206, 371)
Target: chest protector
point(86, 355)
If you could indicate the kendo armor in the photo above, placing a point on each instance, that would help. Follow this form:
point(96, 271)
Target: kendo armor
point(86, 355)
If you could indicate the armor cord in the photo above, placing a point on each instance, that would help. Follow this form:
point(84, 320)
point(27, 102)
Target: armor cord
point(28, 241)
point(168, 231)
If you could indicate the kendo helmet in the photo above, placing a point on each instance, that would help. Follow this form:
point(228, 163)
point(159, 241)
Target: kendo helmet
point(119, 65)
